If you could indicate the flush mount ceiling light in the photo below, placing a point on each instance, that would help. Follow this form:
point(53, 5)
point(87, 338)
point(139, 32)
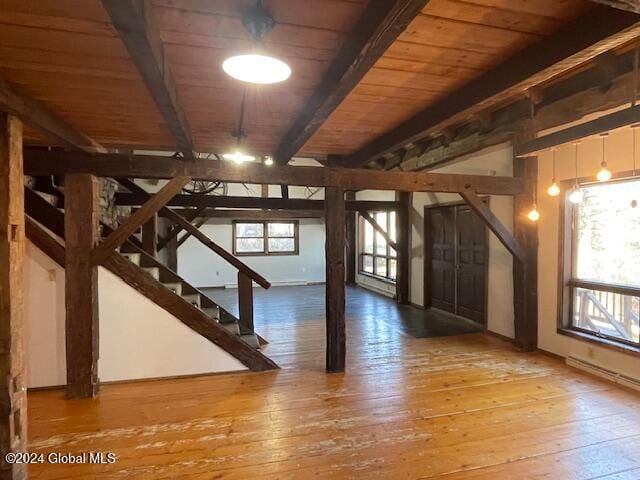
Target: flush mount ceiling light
point(239, 157)
point(256, 67)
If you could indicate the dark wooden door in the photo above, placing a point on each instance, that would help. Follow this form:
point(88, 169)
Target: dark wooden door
point(456, 261)
point(471, 271)
point(443, 259)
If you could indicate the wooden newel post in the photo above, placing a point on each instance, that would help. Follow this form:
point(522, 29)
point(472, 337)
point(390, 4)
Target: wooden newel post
point(81, 284)
point(13, 387)
point(245, 303)
point(335, 293)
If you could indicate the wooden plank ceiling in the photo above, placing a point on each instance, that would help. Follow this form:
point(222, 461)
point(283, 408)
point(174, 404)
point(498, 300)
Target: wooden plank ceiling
point(67, 54)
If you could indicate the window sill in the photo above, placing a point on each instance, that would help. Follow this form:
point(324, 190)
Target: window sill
point(377, 277)
point(602, 342)
point(263, 254)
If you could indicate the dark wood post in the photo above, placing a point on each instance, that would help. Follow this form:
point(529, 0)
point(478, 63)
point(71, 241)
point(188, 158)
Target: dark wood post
point(403, 242)
point(245, 303)
point(150, 235)
point(350, 233)
point(13, 388)
point(335, 294)
point(81, 285)
point(525, 274)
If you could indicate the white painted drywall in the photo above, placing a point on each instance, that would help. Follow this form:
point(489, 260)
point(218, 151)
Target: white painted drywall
point(620, 158)
point(202, 268)
point(138, 339)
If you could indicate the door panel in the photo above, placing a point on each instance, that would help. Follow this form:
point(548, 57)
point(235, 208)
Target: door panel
point(442, 279)
point(471, 246)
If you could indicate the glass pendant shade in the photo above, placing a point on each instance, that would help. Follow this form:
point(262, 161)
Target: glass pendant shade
point(604, 175)
point(255, 68)
point(534, 215)
point(576, 195)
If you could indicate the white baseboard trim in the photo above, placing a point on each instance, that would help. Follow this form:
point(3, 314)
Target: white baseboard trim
point(603, 373)
point(286, 283)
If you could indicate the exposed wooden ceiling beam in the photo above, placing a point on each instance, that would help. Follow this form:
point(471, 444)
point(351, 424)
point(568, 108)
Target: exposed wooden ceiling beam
point(628, 5)
point(133, 19)
point(599, 31)
point(40, 117)
point(260, 214)
point(378, 27)
point(215, 201)
point(42, 162)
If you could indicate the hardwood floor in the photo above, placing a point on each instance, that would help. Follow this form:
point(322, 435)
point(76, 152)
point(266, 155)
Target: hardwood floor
point(457, 407)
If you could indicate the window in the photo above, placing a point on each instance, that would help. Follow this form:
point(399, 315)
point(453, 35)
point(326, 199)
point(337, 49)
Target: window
point(265, 238)
point(377, 258)
point(604, 281)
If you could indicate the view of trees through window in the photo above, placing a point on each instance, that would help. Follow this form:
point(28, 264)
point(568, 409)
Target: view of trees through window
point(377, 257)
point(265, 238)
point(606, 261)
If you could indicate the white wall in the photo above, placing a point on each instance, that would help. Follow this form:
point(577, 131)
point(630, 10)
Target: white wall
point(619, 148)
point(138, 339)
point(202, 268)
point(492, 161)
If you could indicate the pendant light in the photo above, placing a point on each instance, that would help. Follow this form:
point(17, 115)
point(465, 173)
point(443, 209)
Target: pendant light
point(576, 194)
point(255, 66)
point(533, 214)
point(238, 155)
point(268, 161)
point(634, 201)
point(554, 189)
point(604, 175)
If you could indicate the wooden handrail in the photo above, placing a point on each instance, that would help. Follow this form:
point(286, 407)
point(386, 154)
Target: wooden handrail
point(189, 227)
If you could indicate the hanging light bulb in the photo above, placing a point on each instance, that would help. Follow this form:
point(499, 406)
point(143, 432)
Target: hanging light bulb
point(576, 194)
point(534, 215)
point(554, 189)
point(604, 175)
point(256, 67)
point(268, 161)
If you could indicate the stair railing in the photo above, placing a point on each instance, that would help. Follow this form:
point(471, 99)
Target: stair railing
point(246, 275)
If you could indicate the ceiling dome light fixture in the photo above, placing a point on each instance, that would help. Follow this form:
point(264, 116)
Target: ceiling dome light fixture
point(256, 67)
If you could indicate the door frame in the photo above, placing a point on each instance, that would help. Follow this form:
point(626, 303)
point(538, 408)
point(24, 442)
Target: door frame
point(428, 253)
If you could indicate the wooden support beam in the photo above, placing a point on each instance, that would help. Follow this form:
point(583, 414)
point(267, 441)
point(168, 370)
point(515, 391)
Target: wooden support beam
point(603, 124)
point(44, 241)
point(335, 292)
point(133, 223)
point(186, 235)
point(13, 381)
point(628, 5)
point(264, 190)
point(242, 214)
point(494, 224)
point(41, 118)
point(378, 27)
point(39, 210)
point(284, 191)
point(525, 273)
point(351, 242)
point(39, 162)
point(403, 247)
point(275, 204)
point(173, 232)
point(245, 304)
point(134, 21)
point(150, 235)
point(378, 228)
point(82, 213)
point(600, 30)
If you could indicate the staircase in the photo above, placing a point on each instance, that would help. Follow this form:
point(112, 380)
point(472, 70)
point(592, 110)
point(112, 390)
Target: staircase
point(151, 278)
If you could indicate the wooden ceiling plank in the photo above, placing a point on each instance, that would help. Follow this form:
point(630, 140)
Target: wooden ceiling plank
point(378, 27)
point(42, 118)
point(628, 5)
point(137, 28)
point(600, 30)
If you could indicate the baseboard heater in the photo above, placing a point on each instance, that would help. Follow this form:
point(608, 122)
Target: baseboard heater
point(604, 373)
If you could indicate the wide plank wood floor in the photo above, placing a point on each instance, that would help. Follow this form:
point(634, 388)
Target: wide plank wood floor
point(457, 407)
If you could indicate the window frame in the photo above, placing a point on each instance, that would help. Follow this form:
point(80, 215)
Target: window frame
point(361, 253)
point(568, 284)
point(265, 238)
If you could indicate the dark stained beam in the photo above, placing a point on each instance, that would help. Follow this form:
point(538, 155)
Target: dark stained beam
point(40, 162)
point(403, 247)
point(214, 201)
point(82, 211)
point(42, 118)
point(241, 214)
point(13, 371)
point(150, 235)
point(351, 241)
point(186, 235)
point(378, 228)
point(44, 241)
point(577, 42)
point(133, 19)
point(379, 26)
point(335, 291)
point(173, 232)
